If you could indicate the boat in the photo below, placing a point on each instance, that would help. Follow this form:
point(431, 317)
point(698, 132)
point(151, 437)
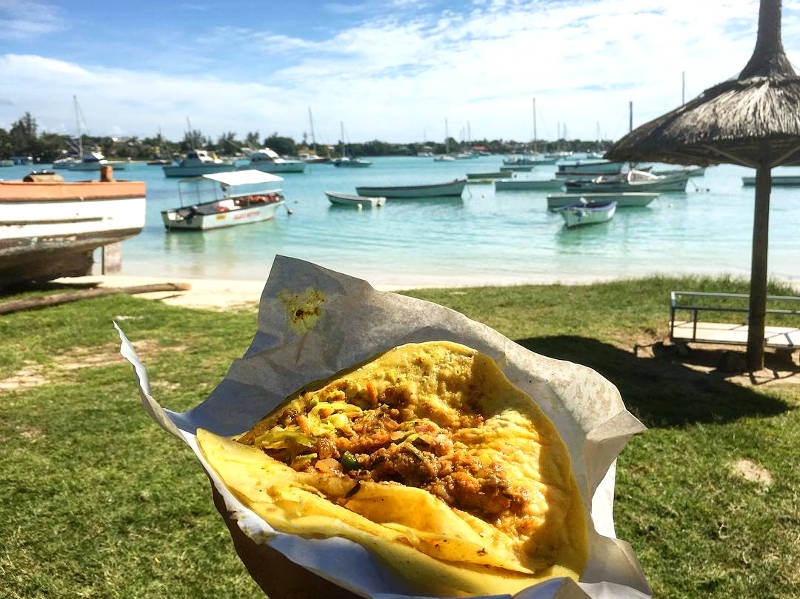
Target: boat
point(587, 213)
point(307, 155)
point(197, 163)
point(446, 157)
point(589, 168)
point(347, 162)
point(529, 160)
point(239, 197)
point(777, 181)
point(347, 199)
point(521, 168)
point(437, 190)
point(528, 184)
point(490, 176)
point(50, 228)
point(627, 199)
point(92, 161)
point(633, 180)
point(6, 162)
point(159, 162)
point(691, 171)
point(269, 161)
point(64, 163)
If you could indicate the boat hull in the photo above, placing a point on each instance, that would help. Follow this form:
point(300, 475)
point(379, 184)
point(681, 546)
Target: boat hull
point(346, 199)
point(440, 190)
point(352, 163)
point(777, 181)
point(276, 167)
point(527, 185)
point(675, 183)
point(196, 171)
point(204, 221)
point(579, 215)
point(623, 200)
point(49, 230)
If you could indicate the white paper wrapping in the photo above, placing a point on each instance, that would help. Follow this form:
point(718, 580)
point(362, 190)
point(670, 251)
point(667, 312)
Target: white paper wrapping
point(314, 322)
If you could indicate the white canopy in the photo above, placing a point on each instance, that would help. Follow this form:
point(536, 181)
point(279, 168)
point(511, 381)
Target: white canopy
point(245, 177)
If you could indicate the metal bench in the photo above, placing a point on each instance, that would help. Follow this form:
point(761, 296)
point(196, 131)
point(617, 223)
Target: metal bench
point(693, 330)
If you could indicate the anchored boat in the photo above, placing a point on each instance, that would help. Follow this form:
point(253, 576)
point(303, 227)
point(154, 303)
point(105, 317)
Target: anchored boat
point(239, 197)
point(628, 199)
point(347, 199)
point(436, 190)
point(587, 213)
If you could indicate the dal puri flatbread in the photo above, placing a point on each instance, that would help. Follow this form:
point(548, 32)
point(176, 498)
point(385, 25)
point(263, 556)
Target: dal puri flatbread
point(428, 456)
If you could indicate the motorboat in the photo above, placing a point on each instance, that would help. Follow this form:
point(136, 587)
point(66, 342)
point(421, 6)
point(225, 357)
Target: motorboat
point(587, 213)
point(310, 157)
point(626, 199)
point(530, 160)
point(50, 228)
point(269, 161)
point(437, 190)
point(519, 184)
point(217, 200)
point(197, 163)
point(633, 180)
point(347, 162)
point(588, 169)
point(356, 201)
point(92, 161)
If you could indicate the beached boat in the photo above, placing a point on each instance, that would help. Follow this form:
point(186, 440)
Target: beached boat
point(589, 168)
point(347, 199)
point(437, 190)
point(587, 213)
point(777, 181)
point(197, 163)
point(49, 228)
point(630, 199)
point(269, 161)
point(237, 197)
point(633, 180)
point(528, 184)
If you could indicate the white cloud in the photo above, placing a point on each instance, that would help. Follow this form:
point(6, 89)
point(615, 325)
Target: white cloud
point(392, 78)
point(20, 19)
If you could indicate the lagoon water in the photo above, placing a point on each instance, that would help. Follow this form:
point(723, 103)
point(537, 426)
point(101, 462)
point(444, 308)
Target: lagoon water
point(482, 239)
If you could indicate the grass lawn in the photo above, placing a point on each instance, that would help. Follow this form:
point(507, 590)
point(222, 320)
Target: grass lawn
point(93, 502)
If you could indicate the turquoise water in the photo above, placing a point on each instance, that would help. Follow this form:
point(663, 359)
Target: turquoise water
point(483, 238)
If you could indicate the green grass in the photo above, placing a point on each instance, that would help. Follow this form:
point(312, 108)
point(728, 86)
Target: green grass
point(94, 503)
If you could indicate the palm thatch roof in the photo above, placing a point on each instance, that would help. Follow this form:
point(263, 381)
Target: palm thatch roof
point(731, 121)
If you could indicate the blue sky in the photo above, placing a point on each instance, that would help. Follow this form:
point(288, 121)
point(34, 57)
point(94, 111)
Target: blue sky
point(390, 69)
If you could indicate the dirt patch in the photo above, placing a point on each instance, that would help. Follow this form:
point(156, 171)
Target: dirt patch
point(750, 471)
point(34, 374)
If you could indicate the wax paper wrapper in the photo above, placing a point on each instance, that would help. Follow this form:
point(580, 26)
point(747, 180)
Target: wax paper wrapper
point(314, 322)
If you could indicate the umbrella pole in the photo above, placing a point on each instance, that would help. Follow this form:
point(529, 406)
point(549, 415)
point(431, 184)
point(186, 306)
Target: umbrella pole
point(758, 269)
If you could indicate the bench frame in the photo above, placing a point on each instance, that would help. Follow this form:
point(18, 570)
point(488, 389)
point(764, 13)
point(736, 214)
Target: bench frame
point(696, 310)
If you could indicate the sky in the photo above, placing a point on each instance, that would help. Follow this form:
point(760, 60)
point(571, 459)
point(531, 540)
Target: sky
point(395, 70)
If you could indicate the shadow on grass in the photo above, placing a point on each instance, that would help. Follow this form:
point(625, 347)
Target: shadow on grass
point(659, 391)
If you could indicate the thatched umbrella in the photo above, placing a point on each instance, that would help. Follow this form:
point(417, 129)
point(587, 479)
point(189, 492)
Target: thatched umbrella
point(754, 121)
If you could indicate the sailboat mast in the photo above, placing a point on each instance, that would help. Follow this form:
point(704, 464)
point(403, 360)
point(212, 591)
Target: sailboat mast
point(535, 143)
point(78, 125)
point(446, 138)
point(311, 123)
point(344, 148)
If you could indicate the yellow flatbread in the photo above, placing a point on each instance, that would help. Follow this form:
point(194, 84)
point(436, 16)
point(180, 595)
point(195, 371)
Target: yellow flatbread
point(428, 456)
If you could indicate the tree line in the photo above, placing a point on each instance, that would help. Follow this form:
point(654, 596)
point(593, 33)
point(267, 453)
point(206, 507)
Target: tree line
point(23, 138)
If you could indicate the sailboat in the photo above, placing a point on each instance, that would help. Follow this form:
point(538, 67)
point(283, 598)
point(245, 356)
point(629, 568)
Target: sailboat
point(311, 156)
point(89, 161)
point(446, 157)
point(346, 162)
point(531, 159)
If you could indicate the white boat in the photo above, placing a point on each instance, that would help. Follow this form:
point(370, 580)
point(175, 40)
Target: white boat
point(528, 184)
point(50, 229)
point(347, 199)
point(587, 213)
point(268, 161)
point(692, 171)
point(628, 199)
point(777, 181)
point(444, 158)
point(65, 163)
point(633, 180)
point(196, 163)
point(239, 197)
point(345, 161)
point(436, 190)
point(589, 168)
point(92, 161)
